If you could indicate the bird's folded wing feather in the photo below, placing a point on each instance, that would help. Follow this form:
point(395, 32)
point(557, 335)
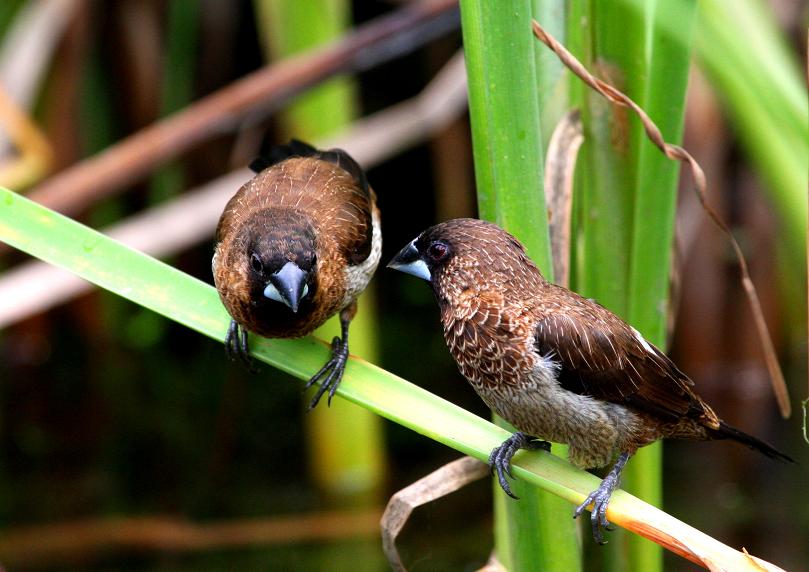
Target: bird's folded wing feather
point(603, 357)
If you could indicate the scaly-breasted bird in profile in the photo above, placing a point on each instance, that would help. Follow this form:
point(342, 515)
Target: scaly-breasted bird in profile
point(557, 366)
point(297, 244)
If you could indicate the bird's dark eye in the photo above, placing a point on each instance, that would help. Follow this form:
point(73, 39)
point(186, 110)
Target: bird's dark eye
point(255, 263)
point(437, 251)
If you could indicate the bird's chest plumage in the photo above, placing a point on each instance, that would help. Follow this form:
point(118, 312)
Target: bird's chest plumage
point(495, 351)
point(486, 343)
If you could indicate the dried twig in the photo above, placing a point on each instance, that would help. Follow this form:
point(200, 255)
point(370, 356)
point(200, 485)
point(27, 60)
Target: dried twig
point(246, 100)
point(560, 165)
point(34, 154)
point(437, 484)
point(28, 48)
point(178, 224)
point(678, 153)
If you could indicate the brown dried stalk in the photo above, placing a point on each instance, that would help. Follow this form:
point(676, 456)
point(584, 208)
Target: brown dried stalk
point(66, 542)
point(245, 100)
point(679, 154)
point(34, 155)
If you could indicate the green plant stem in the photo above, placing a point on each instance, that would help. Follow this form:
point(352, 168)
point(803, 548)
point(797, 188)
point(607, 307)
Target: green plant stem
point(537, 532)
point(504, 111)
point(346, 449)
point(655, 195)
point(628, 191)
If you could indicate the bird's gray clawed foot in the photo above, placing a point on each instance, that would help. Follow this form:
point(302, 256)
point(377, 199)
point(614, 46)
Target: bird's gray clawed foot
point(236, 346)
point(500, 457)
point(331, 373)
point(600, 499)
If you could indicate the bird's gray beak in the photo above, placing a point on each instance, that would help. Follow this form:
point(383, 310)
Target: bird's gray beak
point(409, 261)
point(288, 286)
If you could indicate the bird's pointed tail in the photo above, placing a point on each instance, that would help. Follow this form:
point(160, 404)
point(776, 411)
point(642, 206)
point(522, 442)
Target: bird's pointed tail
point(726, 431)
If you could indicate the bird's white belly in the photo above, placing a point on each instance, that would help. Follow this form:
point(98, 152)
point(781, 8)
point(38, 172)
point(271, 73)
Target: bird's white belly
point(595, 430)
point(358, 276)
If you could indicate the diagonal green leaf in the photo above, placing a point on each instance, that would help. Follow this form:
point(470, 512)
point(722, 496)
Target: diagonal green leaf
point(629, 189)
point(61, 241)
point(135, 276)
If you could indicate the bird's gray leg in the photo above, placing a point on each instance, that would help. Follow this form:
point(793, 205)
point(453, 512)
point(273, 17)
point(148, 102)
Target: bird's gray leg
point(600, 499)
point(236, 345)
point(500, 457)
point(332, 372)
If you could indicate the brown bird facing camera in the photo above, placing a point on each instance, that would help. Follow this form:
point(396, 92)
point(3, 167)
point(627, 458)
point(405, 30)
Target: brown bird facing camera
point(557, 366)
point(297, 244)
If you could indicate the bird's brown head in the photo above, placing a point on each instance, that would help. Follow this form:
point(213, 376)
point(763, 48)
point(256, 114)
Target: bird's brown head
point(467, 255)
point(278, 251)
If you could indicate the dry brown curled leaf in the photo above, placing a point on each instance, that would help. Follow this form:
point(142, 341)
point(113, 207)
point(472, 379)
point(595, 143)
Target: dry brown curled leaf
point(437, 484)
point(678, 153)
point(560, 165)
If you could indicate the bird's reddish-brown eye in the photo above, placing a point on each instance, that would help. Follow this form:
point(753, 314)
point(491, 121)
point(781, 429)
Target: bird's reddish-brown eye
point(437, 251)
point(255, 263)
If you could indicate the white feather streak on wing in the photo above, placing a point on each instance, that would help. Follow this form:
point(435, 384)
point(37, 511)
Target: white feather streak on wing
point(643, 341)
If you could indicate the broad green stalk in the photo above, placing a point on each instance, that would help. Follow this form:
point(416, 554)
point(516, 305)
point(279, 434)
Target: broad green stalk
point(627, 207)
point(602, 198)
point(536, 532)
point(504, 111)
point(345, 441)
point(655, 196)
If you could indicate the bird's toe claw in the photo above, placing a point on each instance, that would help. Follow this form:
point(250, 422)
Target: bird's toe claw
point(597, 535)
point(502, 471)
point(583, 506)
point(500, 457)
point(236, 346)
point(538, 445)
point(598, 513)
point(599, 523)
point(331, 373)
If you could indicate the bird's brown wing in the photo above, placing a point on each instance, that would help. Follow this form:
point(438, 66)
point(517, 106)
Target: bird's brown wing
point(345, 202)
point(601, 356)
point(272, 154)
point(327, 186)
point(354, 208)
